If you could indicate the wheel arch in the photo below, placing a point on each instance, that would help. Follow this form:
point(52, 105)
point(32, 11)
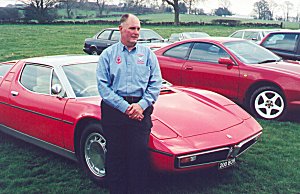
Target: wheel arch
point(79, 130)
point(257, 85)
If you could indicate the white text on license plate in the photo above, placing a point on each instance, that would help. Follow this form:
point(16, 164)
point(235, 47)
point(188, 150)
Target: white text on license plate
point(226, 163)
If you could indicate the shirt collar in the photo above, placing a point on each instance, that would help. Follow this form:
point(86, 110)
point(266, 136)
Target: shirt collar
point(122, 47)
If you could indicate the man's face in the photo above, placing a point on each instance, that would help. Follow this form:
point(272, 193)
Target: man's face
point(130, 31)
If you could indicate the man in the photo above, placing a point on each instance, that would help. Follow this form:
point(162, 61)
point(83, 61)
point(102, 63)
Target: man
point(129, 82)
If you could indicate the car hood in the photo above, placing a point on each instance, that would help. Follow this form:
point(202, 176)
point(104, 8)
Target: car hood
point(189, 116)
point(186, 115)
point(282, 66)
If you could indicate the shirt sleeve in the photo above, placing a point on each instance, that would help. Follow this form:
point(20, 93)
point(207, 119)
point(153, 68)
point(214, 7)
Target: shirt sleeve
point(154, 84)
point(104, 84)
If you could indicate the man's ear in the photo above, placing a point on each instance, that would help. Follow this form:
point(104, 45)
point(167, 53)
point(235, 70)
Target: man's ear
point(120, 27)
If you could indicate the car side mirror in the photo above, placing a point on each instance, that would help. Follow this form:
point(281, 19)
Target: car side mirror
point(56, 89)
point(226, 61)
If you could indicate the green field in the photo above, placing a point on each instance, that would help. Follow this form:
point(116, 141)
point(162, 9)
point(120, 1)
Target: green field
point(271, 166)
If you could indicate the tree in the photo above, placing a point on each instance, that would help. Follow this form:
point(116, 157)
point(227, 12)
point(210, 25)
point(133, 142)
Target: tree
point(40, 10)
point(222, 11)
point(9, 14)
point(175, 5)
point(224, 4)
point(288, 7)
point(272, 6)
point(262, 9)
point(69, 5)
point(100, 4)
point(190, 3)
point(182, 8)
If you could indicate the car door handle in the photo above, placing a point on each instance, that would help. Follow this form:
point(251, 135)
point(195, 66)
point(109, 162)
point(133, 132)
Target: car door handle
point(14, 93)
point(188, 68)
point(108, 44)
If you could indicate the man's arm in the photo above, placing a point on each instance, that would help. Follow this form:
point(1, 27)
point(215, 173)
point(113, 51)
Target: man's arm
point(154, 84)
point(104, 84)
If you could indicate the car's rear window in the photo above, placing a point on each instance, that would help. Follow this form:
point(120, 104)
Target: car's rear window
point(281, 41)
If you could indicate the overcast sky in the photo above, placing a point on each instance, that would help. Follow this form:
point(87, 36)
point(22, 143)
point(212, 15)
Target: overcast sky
point(241, 7)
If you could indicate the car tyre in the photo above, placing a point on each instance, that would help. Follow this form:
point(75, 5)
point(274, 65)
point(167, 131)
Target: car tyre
point(94, 52)
point(92, 152)
point(268, 103)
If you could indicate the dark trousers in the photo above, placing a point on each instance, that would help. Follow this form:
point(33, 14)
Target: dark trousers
point(127, 162)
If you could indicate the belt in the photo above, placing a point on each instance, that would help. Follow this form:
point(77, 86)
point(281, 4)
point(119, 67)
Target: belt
point(132, 99)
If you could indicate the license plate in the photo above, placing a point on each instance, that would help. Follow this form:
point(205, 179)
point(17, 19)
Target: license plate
point(226, 163)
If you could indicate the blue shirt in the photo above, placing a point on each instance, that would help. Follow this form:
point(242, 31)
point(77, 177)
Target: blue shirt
point(123, 73)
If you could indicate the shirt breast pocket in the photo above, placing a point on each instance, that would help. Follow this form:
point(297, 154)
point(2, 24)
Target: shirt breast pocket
point(143, 73)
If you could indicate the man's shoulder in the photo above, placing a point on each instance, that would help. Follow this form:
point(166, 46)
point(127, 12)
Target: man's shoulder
point(142, 46)
point(110, 50)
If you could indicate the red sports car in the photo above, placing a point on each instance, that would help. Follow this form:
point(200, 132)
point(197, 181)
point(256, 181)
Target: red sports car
point(243, 71)
point(53, 102)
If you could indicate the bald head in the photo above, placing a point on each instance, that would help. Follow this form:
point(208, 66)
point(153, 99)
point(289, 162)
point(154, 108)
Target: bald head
point(127, 18)
point(130, 30)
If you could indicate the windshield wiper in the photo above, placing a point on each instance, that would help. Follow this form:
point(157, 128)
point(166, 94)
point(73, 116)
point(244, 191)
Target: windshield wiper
point(269, 61)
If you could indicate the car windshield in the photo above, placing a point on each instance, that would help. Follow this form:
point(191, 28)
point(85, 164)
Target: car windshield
point(251, 53)
point(82, 78)
point(149, 35)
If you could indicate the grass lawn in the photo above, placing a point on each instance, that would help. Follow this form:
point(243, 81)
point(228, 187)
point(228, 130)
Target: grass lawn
point(271, 166)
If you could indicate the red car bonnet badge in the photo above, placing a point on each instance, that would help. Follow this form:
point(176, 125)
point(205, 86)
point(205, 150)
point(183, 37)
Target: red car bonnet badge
point(229, 136)
point(118, 60)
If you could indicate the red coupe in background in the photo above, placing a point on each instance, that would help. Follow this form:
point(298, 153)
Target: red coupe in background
point(241, 70)
point(53, 103)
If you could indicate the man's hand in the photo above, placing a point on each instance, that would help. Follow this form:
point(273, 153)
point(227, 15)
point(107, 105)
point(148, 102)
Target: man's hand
point(135, 111)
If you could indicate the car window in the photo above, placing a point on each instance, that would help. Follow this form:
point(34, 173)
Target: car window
point(251, 35)
point(36, 78)
point(281, 41)
point(104, 35)
point(4, 68)
point(180, 51)
point(149, 34)
point(174, 37)
point(39, 79)
point(115, 35)
point(238, 34)
point(82, 79)
point(206, 52)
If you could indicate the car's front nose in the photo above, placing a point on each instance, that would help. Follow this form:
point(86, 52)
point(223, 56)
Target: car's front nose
point(205, 150)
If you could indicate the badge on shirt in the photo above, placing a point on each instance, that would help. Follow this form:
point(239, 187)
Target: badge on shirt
point(140, 59)
point(118, 60)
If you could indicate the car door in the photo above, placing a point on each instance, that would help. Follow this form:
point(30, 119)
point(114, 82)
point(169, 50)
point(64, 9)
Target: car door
point(202, 70)
point(103, 40)
point(172, 61)
point(37, 112)
point(4, 89)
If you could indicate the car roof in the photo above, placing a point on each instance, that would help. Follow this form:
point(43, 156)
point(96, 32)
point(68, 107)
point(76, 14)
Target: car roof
point(58, 60)
point(215, 39)
point(256, 29)
point(118, 29)
point(286, 31)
